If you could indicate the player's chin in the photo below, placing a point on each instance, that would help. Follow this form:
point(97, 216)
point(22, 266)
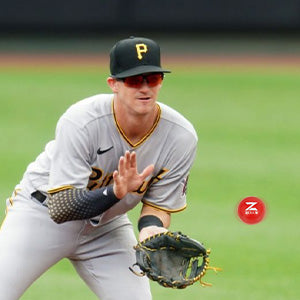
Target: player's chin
point(145, 107)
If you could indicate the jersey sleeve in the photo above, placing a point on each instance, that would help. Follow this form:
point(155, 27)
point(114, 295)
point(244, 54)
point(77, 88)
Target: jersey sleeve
point(168, 190)
point(70, 165)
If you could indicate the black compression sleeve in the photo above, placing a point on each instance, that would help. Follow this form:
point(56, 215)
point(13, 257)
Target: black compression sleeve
point(79, 204)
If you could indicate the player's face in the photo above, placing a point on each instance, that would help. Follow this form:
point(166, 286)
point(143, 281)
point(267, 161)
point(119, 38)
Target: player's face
point(137, 94)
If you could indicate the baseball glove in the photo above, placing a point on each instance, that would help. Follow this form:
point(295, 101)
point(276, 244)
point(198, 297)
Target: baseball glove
point(172, 259)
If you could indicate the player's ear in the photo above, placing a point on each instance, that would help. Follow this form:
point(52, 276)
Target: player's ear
point(112, 83)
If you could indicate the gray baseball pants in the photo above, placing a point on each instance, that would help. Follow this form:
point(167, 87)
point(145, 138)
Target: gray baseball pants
point(30, 243)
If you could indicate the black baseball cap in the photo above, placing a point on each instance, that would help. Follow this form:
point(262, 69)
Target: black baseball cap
point(134, 56)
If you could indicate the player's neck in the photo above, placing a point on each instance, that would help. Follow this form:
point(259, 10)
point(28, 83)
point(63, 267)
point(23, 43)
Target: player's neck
point(136, 126)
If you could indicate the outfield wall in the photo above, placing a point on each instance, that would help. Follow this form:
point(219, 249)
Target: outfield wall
point(159, 15)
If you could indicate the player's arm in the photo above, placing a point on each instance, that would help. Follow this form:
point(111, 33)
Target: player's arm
point(168, 192)
point(152, 221)
point(78, 204)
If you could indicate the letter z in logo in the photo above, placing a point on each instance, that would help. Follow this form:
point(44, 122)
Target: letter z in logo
point(100, 151)
point(251, 207)
point(251, 210)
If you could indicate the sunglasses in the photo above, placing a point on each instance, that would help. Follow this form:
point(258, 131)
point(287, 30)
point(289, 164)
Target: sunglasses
point(138, 80)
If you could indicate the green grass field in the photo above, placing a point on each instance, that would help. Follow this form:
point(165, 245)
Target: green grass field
point(249, 139)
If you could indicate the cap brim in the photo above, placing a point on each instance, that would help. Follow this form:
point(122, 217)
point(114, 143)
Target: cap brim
point(140, 70)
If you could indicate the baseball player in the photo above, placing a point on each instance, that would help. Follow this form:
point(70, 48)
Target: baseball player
point(110, 152)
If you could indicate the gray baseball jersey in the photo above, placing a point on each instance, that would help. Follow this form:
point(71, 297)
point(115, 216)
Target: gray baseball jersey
point(84, 154)
point(88, 146)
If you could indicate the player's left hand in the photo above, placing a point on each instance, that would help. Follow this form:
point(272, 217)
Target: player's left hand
point(173, 260)
point(126, 178)
point(148, 231)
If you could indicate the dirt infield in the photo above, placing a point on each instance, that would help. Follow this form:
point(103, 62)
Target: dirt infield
point(90, 60)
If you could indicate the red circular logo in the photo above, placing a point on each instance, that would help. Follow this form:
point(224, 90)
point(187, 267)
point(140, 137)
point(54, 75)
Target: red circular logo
point(251, 210)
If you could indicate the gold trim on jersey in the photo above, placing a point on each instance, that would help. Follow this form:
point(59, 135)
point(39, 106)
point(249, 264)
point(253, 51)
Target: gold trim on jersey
point(163, 209)
point(61, 188)
point(11, 200)
point(143, 139)
point(6, 211)
point(16, 191)
point(11, 203)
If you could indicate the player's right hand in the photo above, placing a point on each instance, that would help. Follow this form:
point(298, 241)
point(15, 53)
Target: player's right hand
point(126, 178)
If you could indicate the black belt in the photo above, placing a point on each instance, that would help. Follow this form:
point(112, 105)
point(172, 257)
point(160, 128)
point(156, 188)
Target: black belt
point(39, 196)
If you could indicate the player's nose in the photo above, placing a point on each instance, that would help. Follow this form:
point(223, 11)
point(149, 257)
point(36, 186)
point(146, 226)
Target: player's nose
point(144, 86)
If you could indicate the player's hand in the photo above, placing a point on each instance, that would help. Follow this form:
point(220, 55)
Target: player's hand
point(149, 231)
point(126, 178)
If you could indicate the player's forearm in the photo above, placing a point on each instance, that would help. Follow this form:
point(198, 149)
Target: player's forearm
point(152, 221)
point(164, 216)
point(80, 204)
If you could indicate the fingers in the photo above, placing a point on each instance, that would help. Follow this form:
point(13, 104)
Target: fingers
point(117, 186)
point(133, 159)
point(126, 178)
point(116, 177)
point(147, 171)
point(128, 161)
point(122, 166)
